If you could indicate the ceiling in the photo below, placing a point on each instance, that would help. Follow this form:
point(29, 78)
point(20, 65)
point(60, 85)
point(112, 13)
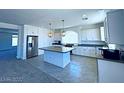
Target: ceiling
point(42, 17)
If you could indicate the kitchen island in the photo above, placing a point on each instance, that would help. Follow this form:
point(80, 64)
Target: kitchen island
point(57, 55)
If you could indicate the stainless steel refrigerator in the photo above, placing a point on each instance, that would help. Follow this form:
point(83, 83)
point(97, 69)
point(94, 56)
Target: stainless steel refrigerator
point(32, 46)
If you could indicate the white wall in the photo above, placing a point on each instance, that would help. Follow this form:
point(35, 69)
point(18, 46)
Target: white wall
point(20, 42)
point(43, 39)
point(8, 26)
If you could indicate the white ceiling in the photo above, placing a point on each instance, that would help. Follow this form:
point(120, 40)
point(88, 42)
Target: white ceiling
point(42, 17)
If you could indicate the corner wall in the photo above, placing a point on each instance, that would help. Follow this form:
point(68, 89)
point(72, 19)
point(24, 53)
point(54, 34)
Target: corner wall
point(43, 39)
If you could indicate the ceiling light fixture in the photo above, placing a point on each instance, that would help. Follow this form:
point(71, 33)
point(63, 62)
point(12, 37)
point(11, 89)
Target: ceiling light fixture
point(50, 33)
point(63, 32)
point(84, 17)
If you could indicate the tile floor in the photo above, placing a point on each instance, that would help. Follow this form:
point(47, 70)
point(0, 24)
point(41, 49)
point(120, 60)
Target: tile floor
point(15, 71)
point(35, 70)
point(80, 70)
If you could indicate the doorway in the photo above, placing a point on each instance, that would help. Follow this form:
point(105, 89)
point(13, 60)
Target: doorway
point(8, 43)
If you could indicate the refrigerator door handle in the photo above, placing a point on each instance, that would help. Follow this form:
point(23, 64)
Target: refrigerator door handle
point(32, 43)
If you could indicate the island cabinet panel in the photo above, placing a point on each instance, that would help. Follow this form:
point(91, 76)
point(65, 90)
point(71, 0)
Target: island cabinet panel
point(57, 58)
point(115, 24)
point(110, 71)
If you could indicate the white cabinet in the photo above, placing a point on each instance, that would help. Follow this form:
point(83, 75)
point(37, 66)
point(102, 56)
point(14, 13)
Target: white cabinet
point(89, 34)
point(76, 51)
point(84, 51)
point(115, 22)
point(79, 51)
point(110, 72)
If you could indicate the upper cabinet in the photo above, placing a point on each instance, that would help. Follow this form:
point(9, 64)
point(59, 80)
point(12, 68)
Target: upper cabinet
point(114, 25)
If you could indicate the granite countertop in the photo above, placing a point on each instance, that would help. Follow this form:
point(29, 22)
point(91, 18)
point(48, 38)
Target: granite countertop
point(92, 43)
point(111, 60)
point(61, 49)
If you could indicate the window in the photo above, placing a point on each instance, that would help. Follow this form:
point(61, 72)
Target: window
point(14, 40)
point(102, 33)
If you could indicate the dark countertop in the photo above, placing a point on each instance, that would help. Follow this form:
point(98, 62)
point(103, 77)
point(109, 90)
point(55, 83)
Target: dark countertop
point(87, 43)
point(61, 49)
point(93, 43)
point(111, 60)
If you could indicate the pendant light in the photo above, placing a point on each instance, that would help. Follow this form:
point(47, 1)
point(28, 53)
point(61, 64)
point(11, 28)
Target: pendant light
point(63, 32)
point(50, 33)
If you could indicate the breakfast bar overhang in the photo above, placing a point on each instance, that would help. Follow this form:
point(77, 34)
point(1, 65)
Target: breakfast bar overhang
point(57, 55)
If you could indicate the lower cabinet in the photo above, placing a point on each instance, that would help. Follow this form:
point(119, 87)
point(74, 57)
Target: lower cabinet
point(110, 72)
point(79, 51)
point(85, 51)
